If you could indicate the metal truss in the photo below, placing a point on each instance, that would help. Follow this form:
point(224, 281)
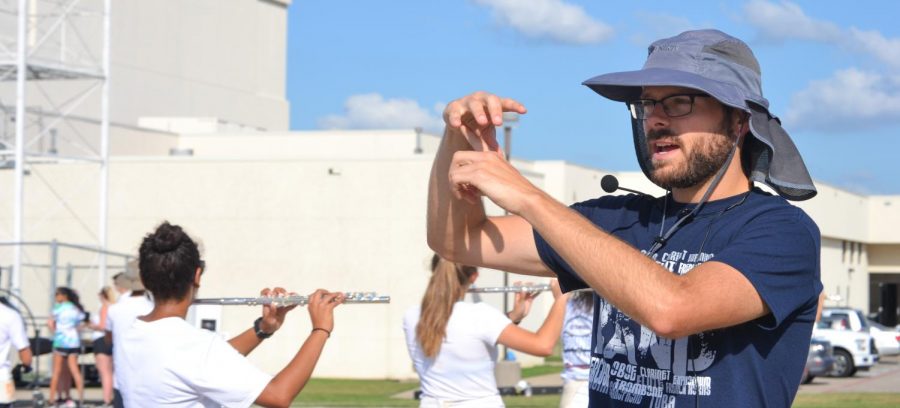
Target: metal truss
point(54, 66)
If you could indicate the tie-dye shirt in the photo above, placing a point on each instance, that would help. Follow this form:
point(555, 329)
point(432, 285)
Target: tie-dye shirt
point(67, 317)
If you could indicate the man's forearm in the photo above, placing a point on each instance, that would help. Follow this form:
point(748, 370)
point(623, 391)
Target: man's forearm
point(450, 220)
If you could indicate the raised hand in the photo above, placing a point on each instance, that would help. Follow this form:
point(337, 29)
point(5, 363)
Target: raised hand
point(481, 168)
point(476, 116)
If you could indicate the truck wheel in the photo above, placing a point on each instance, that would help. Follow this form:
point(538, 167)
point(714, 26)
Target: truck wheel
point(843, 364)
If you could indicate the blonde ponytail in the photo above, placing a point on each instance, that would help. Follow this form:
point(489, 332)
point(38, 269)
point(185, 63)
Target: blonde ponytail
point(447, 286)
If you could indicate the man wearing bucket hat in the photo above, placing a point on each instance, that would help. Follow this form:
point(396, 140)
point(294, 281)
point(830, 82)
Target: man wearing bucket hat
point(705, 296)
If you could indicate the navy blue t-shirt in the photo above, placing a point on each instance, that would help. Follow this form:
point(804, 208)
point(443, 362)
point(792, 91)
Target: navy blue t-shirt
point(754, 364)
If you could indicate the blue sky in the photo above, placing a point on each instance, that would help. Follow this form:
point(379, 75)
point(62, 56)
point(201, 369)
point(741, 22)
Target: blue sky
point(831, 71)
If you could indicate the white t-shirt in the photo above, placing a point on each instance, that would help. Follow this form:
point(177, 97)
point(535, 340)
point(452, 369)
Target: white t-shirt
point(119, 317)
point(171, 363)
point(464, 367)
point(12, 333)
point(123, 312)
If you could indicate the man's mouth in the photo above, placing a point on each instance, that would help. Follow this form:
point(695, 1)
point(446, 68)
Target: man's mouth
point(660, 149)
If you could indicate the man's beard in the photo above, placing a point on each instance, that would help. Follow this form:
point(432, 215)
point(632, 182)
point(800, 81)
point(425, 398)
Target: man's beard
point(700, 164)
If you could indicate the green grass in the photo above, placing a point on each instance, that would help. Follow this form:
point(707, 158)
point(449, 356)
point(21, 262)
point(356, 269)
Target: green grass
point(380, 393)
point(860, 400)
point(541, 370)
point(355, 393)
point(375, 393)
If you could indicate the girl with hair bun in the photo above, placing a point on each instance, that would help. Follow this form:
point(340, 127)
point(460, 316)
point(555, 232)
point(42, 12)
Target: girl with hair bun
point(453, 344)
point(161, 360)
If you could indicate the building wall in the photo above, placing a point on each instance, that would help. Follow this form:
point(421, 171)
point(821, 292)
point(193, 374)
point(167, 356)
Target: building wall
point(884, 258)
point(224, 59)
point(221, 58)
point(884, 219)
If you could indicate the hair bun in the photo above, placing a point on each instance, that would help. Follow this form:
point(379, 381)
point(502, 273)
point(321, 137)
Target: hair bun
point(167, 238)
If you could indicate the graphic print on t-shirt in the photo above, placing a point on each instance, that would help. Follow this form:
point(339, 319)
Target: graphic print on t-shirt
point(678, 369)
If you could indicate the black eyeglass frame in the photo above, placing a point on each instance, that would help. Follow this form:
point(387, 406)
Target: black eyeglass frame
point(633, 105)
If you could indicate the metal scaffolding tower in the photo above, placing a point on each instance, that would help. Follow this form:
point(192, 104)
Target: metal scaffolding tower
point(58, 54)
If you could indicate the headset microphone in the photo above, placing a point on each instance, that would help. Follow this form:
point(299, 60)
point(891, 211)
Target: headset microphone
point(610, 184)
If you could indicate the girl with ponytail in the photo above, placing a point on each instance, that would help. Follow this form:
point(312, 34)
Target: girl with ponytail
point(453, 344)
point(68, 315)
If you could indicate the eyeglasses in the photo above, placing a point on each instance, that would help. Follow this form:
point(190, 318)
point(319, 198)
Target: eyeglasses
point(673, 106)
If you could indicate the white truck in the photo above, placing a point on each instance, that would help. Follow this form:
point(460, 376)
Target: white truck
point(854, 347)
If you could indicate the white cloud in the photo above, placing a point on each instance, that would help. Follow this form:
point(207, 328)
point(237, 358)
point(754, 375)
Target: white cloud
point(372, 111)
point(785, 20)
point(885, 49)
point(550, 19)
point(850, 100)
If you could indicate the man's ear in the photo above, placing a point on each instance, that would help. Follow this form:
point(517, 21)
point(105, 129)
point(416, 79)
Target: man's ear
point(197, 274)
point(742, 124)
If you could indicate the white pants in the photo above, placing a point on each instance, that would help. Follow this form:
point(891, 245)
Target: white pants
point(575, 394)
point(7, 388)
point(494, 401)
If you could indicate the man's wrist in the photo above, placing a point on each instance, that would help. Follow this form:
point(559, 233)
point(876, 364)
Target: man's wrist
point(260, 333)
point(534, 200)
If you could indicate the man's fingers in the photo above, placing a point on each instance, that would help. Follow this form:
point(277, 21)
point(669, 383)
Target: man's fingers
point(453, 113)
point(478, 109)
point(481, 109)
point(512, 105)
point(495, 109)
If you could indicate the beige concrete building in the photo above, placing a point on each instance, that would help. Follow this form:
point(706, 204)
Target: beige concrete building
point(343, 210)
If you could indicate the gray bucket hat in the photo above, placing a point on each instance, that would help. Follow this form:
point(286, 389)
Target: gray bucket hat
point(725, 68)
point(129, 278)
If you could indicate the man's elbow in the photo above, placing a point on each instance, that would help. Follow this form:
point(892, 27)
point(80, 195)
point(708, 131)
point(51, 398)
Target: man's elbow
point(441, 247)
point(436, 244)
point(668, 328)
point(671, 321)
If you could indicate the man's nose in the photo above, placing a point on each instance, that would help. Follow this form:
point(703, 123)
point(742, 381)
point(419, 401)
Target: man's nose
point(657, 118)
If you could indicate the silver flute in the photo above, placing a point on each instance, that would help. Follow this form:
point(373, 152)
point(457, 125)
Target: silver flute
point(512, 289)
point(280, 301)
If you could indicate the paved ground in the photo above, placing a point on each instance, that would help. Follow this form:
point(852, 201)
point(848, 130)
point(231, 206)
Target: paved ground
point(883, 377)
point(93, 397)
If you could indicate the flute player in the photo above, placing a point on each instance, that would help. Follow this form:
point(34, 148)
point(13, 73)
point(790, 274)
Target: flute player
point(164, 361)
